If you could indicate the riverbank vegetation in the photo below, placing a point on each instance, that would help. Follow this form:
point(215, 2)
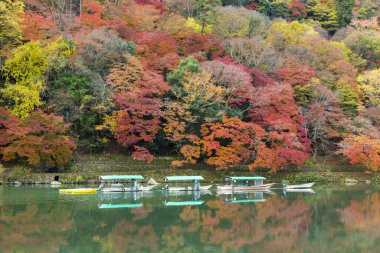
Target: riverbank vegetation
point(223, 83)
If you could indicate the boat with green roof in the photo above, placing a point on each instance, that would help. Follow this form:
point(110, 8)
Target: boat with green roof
point(115, 183)
point(195, 180)
point(234, 183)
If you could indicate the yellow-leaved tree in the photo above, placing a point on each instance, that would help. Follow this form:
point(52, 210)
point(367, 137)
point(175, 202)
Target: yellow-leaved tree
point(25, 73)
point(370, 85)
point(10, 21)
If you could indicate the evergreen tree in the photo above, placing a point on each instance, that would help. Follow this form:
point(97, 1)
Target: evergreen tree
point(344, 11)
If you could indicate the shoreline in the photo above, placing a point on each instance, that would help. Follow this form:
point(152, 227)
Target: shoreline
point(210, 177)
point(86, 169)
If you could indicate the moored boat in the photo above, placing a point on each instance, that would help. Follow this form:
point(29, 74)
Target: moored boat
point(108, 185)
point(194, 187)
point(243, 184)
point(298, 186)
point(78, 191)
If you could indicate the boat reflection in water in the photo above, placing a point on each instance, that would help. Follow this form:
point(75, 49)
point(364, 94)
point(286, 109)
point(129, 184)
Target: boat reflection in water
point(118, 200)
point(193, 196)
point(246, 197)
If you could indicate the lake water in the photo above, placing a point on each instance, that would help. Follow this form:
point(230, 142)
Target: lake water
point(333, 219)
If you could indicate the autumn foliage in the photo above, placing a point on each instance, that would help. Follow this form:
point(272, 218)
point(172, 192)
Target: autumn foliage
point(361, 149)
point(264, 84)
point(40, 139)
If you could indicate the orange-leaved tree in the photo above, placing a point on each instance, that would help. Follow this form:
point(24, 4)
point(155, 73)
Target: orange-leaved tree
point(40, 138)
point(362, 149)
point(223, 144)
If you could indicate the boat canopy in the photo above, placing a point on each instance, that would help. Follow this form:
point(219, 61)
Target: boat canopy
point(244, 178)
point(184, 178)
point(184, 203)
point(121, 177)
point(120, 205)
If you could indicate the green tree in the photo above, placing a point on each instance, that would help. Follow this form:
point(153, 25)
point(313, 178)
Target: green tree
point(326, 16)
point(266, 7)
point(344, 11)
point(280, 9)
point(206, 10)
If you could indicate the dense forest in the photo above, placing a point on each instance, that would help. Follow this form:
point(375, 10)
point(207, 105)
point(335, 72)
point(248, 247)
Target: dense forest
point(263, 83)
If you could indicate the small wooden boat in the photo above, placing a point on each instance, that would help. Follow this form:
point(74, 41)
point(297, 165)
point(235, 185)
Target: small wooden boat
point(194, 179)
point(119, 187)
point(78, 191)
point(244, 185)
point(298, 186)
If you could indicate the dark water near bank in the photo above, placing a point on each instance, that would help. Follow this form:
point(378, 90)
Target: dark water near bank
point(334, 219)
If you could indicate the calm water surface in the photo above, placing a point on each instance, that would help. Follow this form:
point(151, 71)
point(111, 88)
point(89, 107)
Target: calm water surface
point(333, 219)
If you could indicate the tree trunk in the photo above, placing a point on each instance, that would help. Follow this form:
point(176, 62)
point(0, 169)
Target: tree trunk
point(203, 26)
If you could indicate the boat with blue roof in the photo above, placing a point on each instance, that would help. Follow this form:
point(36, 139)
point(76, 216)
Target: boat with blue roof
point(193, 180)
point(116, 183)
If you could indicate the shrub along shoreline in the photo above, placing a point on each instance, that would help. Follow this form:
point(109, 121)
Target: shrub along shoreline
point(87, 168)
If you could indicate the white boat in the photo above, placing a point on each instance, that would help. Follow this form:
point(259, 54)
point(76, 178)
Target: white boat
point(134, 179)
point(244, 184)
point(299, 186)
point(127, 189)
point(190, 188)
point(194, 179)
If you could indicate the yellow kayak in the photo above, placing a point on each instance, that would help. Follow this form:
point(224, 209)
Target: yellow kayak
point(78, 191)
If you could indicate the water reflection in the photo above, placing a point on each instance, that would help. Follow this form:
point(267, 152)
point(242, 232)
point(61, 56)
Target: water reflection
point(335, 219)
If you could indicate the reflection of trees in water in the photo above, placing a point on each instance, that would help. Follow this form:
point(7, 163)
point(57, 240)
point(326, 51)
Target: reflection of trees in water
point(278, 225)
point(361, 221)
point(340, 221)
point(355, 227)
point(33, 229)
point(127, 235)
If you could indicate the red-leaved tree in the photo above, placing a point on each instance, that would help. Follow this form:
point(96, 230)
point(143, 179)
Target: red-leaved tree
point(299, 75)
point(139, 99)
point(285, 141)
point(158, 51)
point(40, 139)
point(222, 144)
point(36, 27)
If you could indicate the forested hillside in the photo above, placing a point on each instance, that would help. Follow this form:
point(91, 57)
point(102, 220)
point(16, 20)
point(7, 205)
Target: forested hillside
point(264, 83)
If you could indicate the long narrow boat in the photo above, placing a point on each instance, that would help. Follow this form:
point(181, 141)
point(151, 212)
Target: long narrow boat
point(194, 179)
point(78, 191)
point(299, 186)
point(243, 184)
point(119, 187)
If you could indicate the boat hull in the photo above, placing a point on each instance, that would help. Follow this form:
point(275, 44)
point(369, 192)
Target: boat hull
point(127, 189)
point(244, 188)
point(176, 189)
point(78, 191)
